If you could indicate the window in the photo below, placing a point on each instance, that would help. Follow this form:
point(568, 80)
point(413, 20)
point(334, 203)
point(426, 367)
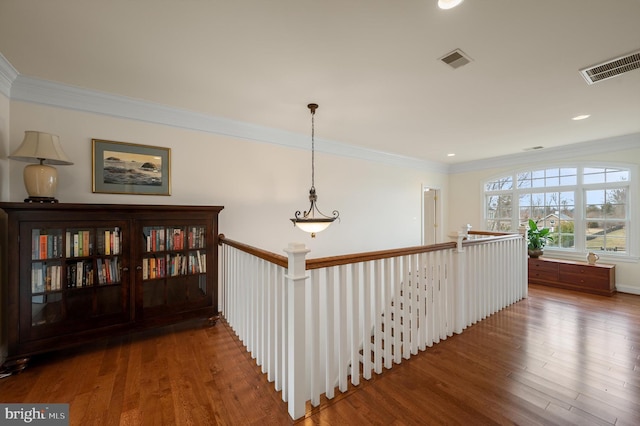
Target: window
point(586, 208)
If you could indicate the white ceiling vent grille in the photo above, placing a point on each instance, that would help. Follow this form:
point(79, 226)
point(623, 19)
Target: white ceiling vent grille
point(611, 68)
point(456, 59)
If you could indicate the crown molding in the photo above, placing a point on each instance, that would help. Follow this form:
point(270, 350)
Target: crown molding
point(8, 74)
point(28, 89)
point(599, 146)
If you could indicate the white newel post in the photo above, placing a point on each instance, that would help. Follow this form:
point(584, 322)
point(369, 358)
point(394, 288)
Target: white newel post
point(296, 279)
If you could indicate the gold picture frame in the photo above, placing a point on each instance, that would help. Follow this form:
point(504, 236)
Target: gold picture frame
point(127, 168)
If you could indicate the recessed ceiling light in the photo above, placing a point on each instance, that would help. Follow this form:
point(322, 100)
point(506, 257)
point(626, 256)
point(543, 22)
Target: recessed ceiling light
point(451, 155)
point(581, 117)
point(448, 4)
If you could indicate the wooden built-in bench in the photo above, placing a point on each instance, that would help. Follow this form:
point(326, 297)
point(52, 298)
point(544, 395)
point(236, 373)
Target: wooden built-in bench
point(581, 276)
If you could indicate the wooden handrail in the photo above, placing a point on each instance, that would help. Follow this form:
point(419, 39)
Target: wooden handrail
point(325, 262)
point(497, 234)
point(277, 259)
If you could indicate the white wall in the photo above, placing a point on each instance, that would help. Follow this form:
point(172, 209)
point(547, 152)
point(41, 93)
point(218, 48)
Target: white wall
point(261, 185)
point(466, 203)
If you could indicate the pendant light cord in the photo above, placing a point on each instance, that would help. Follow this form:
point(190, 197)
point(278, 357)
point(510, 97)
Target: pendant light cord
point(313, 172)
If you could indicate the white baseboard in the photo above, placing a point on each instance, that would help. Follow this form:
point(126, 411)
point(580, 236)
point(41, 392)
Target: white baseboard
point(628, 289)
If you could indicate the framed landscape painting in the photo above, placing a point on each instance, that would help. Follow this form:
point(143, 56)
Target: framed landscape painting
point(127, 168)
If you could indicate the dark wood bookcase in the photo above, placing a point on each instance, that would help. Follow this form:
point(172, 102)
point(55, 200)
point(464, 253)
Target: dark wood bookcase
point(75, 272)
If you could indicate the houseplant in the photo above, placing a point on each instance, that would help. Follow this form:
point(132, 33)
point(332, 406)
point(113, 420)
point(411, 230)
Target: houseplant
point(537, 238)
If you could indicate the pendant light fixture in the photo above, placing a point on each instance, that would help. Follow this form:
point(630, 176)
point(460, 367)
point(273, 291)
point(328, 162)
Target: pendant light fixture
point(313, 220)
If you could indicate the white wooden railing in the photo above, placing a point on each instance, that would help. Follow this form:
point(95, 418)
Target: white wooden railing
point(315, 325)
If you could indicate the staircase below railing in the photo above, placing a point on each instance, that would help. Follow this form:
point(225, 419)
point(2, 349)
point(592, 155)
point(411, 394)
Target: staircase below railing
point(353, 316)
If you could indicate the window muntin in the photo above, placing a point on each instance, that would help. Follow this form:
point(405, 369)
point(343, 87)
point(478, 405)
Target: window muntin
point(505, 183)
point(605, 175)
point(591, 203)
point(547, 178)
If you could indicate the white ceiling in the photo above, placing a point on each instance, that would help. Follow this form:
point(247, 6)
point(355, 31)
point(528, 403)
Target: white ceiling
point(371, 65)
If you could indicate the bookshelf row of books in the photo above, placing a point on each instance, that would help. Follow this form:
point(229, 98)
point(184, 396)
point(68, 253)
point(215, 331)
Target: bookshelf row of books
point(173, 265)
point(108, 270)
point(80, 274)
point(161, 239)
point(48, 276)
point(48, 244)
point(109, 241)
point(45, 277)
point(78, 244)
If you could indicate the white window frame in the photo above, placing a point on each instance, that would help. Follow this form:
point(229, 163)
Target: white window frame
point(579, 251)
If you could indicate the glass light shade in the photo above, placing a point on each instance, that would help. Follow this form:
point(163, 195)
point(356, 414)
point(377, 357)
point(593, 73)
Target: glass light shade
point(448, 4)
point(313, 225)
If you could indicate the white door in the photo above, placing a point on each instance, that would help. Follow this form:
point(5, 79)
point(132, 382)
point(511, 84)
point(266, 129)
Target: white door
point(430, 215)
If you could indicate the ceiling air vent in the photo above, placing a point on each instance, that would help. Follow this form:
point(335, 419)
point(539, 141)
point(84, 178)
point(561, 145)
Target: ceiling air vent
point(611, 68)
point(456, 59)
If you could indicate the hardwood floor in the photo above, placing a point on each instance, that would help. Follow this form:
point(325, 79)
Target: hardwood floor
point(558, 357)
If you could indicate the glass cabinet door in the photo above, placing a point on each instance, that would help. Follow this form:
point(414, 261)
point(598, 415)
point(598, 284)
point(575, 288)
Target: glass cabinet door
point(174, 267)
point(75, 277)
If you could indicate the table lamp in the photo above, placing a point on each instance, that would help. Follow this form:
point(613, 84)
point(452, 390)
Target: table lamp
point(41, 179)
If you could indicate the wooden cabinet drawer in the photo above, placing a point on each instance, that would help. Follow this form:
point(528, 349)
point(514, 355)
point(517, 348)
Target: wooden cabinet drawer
point(585, 280)
point(588, 276)
point(584, 270)
point(541, 270)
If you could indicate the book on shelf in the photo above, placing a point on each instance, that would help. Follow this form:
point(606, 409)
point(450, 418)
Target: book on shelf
point(99, 271)
point(116, 240)
point(76, 244)
point(116, 269)
point(86, 243)
point(107, 242)
point(36, 278)
point(35, 244)
point(145, 269)
point(107, 270)
point(199, 261)
point(52, 246)
point(79, 272)
point(80, 251)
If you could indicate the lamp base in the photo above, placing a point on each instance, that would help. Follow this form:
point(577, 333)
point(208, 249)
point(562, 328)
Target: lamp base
point(40, 200)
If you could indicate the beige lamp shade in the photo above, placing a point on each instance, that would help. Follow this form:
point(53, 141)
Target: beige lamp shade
point(41, 179)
